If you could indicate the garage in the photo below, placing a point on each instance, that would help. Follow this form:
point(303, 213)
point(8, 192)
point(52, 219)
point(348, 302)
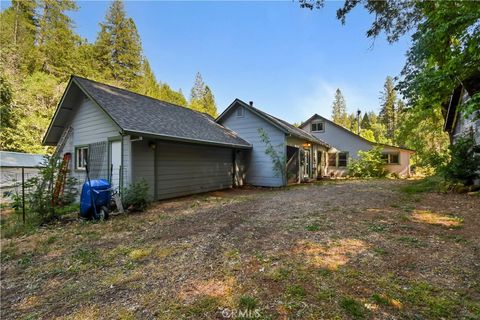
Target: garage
point(175, 169)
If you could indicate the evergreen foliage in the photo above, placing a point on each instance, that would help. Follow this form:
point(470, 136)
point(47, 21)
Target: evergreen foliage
point(365, 124)
point(464, 164)
point(39, 51)
point(339, 110)
point(118, 47)
point(201, 97)
point(388, 111)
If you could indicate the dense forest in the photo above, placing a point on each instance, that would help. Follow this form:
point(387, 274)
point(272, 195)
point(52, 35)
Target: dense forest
point(40, 50)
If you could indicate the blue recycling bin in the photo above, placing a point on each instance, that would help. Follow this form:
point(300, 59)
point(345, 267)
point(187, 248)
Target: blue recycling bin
point(98, 194)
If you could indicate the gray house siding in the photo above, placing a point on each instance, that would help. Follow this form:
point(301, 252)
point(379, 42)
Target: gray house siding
point(142, 163)
point(260, 170)
point(465, 126)
point(340, 139)
point(178, 169)
point(90, 126)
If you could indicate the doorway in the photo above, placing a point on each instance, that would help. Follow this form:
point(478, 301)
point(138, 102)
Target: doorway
point(115, 163)
point(307, 164)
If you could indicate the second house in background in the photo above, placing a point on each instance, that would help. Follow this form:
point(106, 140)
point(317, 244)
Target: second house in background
point(345, 145)
point(281, 153)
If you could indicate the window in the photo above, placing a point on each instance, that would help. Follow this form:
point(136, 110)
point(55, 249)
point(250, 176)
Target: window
point(385, 157)
point(332, 159)
point(240, 112)
point(391, 158)
point(81, 158)
point(342, 159)
point(317, 127)
point(394, 158)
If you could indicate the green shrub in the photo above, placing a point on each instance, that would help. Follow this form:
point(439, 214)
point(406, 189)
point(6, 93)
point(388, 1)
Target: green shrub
point(40, 190)
point(135, 197)
point(464, 164)
point(369, 164)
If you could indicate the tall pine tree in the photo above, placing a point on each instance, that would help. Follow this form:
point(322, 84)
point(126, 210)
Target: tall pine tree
point(388, 111)
point(201, 97)
point(17, 38)
point(339, 110)
point(119, 49)
point(365, 124)
point(57, 42)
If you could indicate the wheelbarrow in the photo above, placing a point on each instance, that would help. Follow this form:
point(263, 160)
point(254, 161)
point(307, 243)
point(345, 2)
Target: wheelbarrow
point(95, 199)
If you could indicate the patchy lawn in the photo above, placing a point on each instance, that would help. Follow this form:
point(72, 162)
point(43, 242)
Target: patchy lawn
point(351, 249)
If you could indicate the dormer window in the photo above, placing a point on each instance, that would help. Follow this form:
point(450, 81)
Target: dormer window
point(240, 112)
point(317, 127)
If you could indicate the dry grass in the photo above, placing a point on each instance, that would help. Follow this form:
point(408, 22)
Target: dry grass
point(350, 249)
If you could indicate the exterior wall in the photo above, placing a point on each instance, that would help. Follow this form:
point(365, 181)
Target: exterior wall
point(90, 125)
point(344, 141)
point(465, 126)
point(260, 169)
point(174, 169)
point(403, 168)
point(143, 164)
point(340, 139)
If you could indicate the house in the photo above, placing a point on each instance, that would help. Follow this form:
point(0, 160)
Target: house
point(456, 124)
point(298, 152)
point(16, 167)
point(126, 137)
point(346, 145)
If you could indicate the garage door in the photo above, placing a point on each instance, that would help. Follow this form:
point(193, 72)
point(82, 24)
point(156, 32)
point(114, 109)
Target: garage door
point(183, 169)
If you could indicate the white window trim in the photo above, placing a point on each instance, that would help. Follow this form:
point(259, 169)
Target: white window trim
point(389, 161)
point(317, 122)
point(80, 163)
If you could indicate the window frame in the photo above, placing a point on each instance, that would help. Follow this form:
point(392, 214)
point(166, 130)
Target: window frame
point(394, 154)
point(240, 112)
point(316, 123)
point(78, 151)
point(388, 159)
point(346, 153)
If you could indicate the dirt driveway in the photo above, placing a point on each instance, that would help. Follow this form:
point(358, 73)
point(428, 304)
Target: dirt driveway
point(352, 249)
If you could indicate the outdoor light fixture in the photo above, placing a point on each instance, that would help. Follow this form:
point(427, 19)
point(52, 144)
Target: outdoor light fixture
point(152, 145)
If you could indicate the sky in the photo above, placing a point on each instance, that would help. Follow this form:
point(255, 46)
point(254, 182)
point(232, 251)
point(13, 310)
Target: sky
point(287, 60)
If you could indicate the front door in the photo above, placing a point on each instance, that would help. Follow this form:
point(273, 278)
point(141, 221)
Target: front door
point(115, 162)
point(307, 164)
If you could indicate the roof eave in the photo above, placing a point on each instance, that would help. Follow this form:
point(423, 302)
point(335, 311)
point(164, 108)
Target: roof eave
point(186, 140)
point(57, 110)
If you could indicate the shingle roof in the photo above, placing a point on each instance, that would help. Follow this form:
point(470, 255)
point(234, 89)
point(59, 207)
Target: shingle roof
point(20, 159)
point(136, 113)
point(279, 123)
